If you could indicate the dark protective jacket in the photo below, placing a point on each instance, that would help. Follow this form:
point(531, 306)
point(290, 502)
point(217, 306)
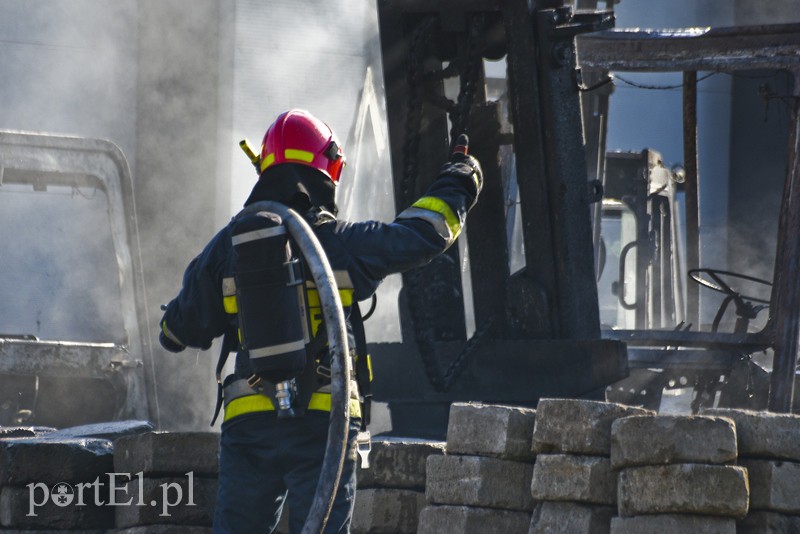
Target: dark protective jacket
point(366, 251)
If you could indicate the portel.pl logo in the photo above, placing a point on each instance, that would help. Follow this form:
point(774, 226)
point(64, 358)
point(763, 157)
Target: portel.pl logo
point(119, 493)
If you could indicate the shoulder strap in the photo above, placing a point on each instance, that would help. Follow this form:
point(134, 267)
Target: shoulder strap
point(363, 371)
point(229, 344)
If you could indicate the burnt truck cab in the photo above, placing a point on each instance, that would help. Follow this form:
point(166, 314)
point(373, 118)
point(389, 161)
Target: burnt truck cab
point(72, 346)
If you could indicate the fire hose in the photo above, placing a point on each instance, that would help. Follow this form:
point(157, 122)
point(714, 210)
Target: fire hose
point(333, 314)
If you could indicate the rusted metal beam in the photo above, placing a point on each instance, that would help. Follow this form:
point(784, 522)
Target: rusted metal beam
point(694, 49)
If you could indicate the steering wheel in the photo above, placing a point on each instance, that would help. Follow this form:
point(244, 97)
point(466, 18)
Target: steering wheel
point(744, 307)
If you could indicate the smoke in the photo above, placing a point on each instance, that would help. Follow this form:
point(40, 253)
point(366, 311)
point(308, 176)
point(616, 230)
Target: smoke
point(68, 68)
point(61, 278)
point(323, 57)
point(120, 70)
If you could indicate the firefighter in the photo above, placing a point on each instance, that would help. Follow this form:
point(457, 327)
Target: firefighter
point(269, 462)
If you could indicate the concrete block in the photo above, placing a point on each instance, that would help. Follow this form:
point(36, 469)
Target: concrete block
point(566, 477)
point(31, 508)
point(774, 485)
point(768, 523)
point(152, 501)
point(764, 434)
point(24, 431)
point(577, 426)
point(32, 460)
point(570, 518)
point(471, 520)
point(163, 529)
point(387, 511)
point(672, 439)
point(491, 430)
point(110, 430)
point(168, 453)
point(673, 524)
point(479, 481)
point(683, 489)
point(398, 464)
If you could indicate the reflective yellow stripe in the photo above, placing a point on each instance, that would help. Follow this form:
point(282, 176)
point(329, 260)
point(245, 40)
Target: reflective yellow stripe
point(315, 309)
point(262, 403)
point(441, 207)
point(315, 315)
point(322, 402)
point(169, 334)
point(298, 155)
point(269, 160)
point(346, 296)
point(229, 295)
point(230, 304)
point(248, 404)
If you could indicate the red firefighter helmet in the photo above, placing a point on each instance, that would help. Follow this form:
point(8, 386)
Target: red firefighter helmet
point(297, 136)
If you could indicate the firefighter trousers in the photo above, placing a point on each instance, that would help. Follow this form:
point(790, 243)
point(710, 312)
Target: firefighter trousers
point(270, 465)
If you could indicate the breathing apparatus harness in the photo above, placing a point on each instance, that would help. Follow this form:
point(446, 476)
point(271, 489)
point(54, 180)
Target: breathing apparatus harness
point(269, 213)
point(268, 293)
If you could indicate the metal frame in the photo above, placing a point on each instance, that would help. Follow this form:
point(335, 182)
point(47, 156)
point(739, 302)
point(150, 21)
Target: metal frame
point(724, 49)
point(43, 160)
point(537, 331)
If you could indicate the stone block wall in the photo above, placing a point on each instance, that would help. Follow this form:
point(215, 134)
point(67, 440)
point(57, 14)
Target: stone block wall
point(391, 492)
point(119, 478)
point(769, 450)
point(604, 467)
point(676, 474)
point(568, 466)
point(573, 483)
point(482, 482)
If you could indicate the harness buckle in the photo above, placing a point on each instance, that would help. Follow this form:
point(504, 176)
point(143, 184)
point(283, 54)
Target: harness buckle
point(254, 381)
point(323, 370)
point(364, 446)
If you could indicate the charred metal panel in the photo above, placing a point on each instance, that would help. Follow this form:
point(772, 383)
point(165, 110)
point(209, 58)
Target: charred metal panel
point(504, 370)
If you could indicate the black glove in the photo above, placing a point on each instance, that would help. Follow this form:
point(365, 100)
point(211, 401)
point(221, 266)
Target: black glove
point(461, 164)
point(169, 344)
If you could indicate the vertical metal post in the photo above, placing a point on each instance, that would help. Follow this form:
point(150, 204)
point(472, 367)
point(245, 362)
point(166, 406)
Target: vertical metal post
point(488, 247)
point(785, 303)
point(567, 177)
point(537, 314)
point(692, 194)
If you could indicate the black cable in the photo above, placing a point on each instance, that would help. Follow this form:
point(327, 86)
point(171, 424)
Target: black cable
point(659, 87)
